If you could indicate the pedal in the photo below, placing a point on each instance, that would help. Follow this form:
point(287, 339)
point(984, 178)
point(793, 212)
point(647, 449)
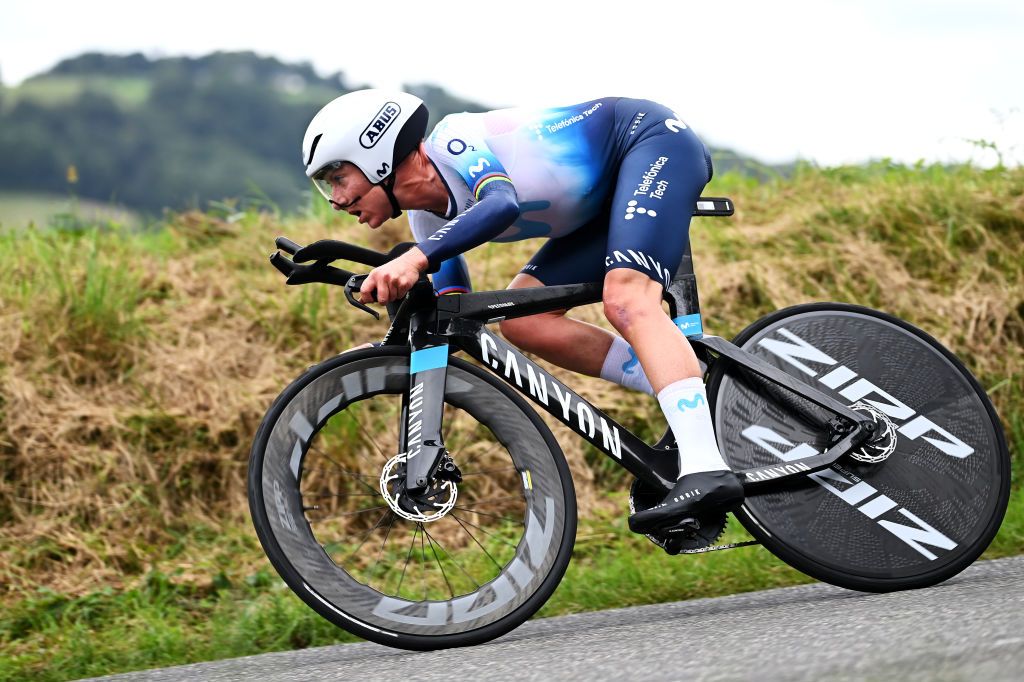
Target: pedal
point(689, 526)
point(689, 535)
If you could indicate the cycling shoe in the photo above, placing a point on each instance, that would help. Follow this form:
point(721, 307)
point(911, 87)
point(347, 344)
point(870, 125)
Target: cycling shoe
point(698, 493)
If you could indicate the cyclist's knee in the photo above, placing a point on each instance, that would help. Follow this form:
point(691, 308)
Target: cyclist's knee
point(628, 296)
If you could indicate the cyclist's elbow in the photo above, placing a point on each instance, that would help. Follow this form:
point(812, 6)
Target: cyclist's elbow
point(510, 210)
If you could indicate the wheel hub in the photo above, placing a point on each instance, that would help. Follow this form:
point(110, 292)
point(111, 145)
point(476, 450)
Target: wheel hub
point(424, 507)
point(883, 443)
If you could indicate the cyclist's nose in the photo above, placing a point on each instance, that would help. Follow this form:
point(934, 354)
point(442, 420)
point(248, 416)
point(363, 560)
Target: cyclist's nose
point(339, 199)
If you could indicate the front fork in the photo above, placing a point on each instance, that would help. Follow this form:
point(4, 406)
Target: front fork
point(423, 405)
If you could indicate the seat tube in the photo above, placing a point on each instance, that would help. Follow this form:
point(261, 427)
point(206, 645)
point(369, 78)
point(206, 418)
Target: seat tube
point(683, 302)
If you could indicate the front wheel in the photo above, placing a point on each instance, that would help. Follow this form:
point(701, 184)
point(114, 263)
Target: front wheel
point(914, 508)
point(487, 555)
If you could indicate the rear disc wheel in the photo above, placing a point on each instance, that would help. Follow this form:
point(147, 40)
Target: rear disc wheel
point(934, 498)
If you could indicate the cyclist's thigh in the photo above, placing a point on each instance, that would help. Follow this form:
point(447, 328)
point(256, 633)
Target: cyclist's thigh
point(573, 259)
point(659, 181)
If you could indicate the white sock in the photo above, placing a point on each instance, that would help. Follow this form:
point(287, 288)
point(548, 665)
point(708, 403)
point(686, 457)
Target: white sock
point(685, 404)
point(622, 366)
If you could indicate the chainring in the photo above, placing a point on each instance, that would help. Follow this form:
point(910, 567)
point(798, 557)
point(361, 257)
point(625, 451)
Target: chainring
point(693, 535)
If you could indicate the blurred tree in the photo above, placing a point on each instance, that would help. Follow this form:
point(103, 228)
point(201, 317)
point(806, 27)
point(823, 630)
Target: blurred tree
point(228, 124)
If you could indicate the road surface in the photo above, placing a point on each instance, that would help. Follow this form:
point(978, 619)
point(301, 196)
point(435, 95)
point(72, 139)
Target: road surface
point(969, 628)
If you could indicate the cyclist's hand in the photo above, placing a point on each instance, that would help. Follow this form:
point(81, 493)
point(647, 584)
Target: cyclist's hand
point(392, 280)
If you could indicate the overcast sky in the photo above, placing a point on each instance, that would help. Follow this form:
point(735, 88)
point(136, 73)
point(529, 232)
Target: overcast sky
point(830, 81)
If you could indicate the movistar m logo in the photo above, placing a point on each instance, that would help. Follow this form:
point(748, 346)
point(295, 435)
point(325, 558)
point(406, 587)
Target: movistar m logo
point(685, 404)
point(479, 167)
point(629, 365)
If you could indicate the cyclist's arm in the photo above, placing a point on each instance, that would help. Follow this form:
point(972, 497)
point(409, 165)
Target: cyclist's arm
point(496, 208)
point(477, 180)
point(452, 277)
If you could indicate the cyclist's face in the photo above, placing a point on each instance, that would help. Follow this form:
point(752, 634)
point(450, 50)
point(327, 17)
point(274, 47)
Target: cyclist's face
point(352, 192)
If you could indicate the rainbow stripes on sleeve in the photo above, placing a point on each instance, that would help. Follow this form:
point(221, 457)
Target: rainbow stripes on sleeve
point(485, 180)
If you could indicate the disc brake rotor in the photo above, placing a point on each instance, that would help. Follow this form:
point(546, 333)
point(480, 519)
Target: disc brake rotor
point(430, 505)
point(883, 443)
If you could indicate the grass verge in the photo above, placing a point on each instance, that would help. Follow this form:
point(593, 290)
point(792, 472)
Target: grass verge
point(135, 367)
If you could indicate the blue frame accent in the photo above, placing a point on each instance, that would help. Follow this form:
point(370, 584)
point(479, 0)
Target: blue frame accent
point(690, 325)
point(428, 358)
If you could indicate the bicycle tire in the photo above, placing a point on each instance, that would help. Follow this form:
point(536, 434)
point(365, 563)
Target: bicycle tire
point(280, 468)
point(915, 519)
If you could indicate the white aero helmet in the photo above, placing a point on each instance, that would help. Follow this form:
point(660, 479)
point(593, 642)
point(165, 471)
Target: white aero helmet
point(373, 129)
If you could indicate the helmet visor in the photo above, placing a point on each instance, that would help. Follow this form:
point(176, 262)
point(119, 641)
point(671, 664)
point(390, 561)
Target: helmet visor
point(321, 182)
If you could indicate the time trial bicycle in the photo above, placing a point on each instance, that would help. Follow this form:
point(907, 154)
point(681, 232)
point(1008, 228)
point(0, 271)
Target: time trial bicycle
point(415, 499)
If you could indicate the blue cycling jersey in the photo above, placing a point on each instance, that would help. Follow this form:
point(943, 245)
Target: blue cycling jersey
point(516, 174)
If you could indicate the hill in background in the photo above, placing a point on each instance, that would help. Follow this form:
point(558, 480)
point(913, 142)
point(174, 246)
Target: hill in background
point(182, 131)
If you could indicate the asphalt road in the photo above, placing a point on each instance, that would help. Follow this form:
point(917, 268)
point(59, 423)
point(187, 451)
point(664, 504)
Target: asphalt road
point(969, 628)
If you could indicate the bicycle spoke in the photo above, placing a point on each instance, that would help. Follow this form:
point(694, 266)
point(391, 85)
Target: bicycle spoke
point(486, 453)
point(408, 556)
point(439, 564)
point(488, 471)
point(333, 461)
point(354, 474)
point(496, 516)
point(485, 531)
point(449, 555)
point(373, 568)
point(341, 495)
point(367, 434)
point(477, 542)
point(493, 500)
point(342, 469)
point(366, 536)
point(351, 513)
point(423, 565)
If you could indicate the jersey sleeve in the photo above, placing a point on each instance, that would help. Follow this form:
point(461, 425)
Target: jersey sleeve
point(452, 275)
point(493, 206)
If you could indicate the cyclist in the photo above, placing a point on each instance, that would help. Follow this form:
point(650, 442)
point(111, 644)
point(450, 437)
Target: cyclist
point(610, 182)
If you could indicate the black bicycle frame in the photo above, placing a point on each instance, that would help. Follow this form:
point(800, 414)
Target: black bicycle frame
point(437, 326)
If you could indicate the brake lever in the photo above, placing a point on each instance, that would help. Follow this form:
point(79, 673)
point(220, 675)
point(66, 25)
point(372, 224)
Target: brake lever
point(353, 285)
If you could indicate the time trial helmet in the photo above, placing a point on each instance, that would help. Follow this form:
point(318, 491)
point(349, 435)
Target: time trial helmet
point(372, 129)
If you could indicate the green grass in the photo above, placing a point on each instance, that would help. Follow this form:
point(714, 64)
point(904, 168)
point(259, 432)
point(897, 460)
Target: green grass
point(21, 209)
point(87, 282)
point(173, 619)
point(135, 367)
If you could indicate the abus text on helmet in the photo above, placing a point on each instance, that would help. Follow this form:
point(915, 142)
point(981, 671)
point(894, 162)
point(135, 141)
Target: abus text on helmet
point(381, 122)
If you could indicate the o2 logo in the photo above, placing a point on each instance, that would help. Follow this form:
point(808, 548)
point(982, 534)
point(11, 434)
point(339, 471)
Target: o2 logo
point(457, 146)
